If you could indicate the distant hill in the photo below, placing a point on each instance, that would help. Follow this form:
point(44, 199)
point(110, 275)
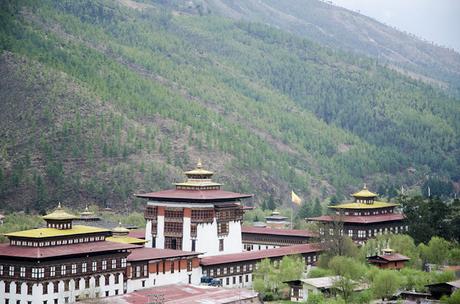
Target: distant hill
point(102, 99)
point(339, 28)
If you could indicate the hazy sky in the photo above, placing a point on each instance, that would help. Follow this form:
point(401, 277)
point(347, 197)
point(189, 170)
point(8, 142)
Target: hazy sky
point(433, 20)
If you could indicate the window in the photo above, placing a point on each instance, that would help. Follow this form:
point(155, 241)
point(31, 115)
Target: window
point(222, 228)
point(29, 289)
point(56, 287)
point(193, 245)
point(83, 267)
point(1, 269)
point(66, 285)
point(123, 262)
point(63, 269)
point(94, 266)
point(231, 269)
point(227, 281)
point(22, 272)
point(86, 282)
point(240, 279)
point(45, 288)
point(7, 287)
point(221, 244)
point(41, 272)
point(138, 271)
point(74, 268)
point(97, 280)
point(107, 279)
point(11, 271)
point(247, 278)
point(350, 233)
point(189, 265)
point(234, 280)
point(218, 272)
point(117, 278)
point(114, 263)
point(18, 287)
point(52, 271)
point(145, 270)
point(104, 265)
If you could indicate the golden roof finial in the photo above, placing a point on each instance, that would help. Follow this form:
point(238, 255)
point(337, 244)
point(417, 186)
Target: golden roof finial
point(199, 165)
point(59, 205)
point(365, 186)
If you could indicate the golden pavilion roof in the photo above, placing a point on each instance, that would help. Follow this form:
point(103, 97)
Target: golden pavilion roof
point(54, 232)
point(199, 170)
point(364, 193)
point(354, 205)
point(86, 212)
point(125, 240)
point(120, 229)
point(59, 214)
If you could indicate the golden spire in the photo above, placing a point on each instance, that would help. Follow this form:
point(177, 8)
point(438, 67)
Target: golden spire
point(199, 165)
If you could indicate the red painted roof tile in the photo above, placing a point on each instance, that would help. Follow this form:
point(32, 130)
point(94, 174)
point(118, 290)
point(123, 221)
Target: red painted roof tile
point(260, 254)
point(138, 233)
point(274, 231)
point(143, 254)
point(360, 219)
point(7, 250)
point(193, 195)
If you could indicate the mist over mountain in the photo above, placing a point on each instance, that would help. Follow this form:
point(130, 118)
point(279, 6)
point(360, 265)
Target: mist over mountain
point(101, 99)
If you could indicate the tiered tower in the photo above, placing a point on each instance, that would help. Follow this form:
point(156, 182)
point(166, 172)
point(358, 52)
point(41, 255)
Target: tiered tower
point(195, 216)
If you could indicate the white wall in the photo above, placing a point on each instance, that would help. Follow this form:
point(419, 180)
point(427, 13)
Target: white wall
point(167, 278)
point(148, 234)
point(256, 247)
point(186, 235)
point(237, 284)
point(38, 296)
point(207, 240)
point(160, 239)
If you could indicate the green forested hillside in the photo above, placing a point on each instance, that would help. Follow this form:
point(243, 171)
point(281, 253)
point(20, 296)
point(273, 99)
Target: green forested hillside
point(339, 28)
point(101, 99)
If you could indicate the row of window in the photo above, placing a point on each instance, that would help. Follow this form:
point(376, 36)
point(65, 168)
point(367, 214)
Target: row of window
point(57, 242)
point(78, 285)
point(39, 272)
point(384, 211)
point(370, 232)
point(228, 270)
point(141, 271)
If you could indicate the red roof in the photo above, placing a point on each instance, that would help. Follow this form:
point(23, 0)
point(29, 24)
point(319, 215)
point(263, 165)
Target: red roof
point(274, 231)
point(143, 254)
point(8, 250)
point(360, 219)
point(138, 233)
point(181, 294)
point(193, 195)
point(395, 257)
point(260, 254)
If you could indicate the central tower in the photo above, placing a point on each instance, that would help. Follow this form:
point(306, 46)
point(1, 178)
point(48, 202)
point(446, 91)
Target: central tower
point(195, 216)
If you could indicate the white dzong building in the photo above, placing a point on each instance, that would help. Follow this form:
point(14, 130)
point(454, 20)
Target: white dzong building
point(195, 216)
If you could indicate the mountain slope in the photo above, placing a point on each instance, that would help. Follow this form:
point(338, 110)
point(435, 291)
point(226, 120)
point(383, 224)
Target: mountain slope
point(119, 100)
point(337, 27)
